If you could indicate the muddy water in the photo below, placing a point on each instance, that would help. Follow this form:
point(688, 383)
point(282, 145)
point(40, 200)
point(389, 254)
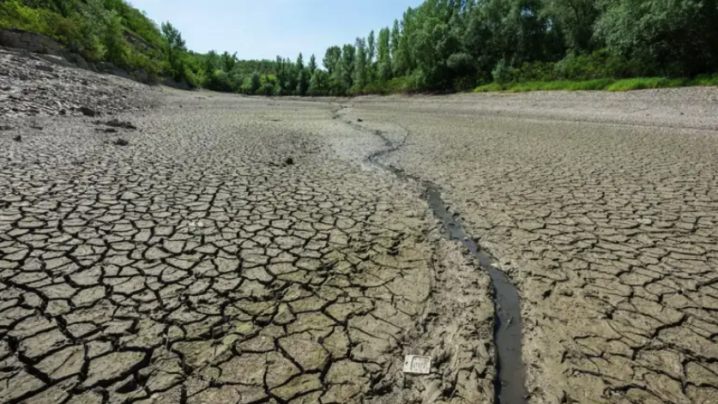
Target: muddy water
point(510, 386)
point(511, 377)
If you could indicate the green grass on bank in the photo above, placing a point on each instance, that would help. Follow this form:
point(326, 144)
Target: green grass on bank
point(641, 83)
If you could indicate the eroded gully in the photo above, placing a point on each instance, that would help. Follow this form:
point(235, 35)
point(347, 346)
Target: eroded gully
point(510, 386)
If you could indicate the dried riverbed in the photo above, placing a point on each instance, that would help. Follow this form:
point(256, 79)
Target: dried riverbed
point(603, 208)
point(227, 250)
point(198, 247)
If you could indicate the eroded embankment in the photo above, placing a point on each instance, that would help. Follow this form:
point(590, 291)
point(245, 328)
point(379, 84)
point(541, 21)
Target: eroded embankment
point(510, 386)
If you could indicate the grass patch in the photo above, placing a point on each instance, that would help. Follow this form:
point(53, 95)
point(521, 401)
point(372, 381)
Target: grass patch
point(641, 83)
point(564, 85)
point(705, 80)
point(646, 83)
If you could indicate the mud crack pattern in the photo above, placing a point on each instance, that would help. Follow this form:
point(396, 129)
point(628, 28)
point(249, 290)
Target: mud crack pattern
point(194, 266)
point(610, 228)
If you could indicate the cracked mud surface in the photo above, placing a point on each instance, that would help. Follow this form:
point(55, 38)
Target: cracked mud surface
point(604, 208)
point(194, 265)
point(244, 250)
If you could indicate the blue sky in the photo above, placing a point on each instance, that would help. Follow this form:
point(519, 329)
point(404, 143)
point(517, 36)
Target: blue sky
point(267, 28)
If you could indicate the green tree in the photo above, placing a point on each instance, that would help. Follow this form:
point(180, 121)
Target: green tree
point(303, 82)
point(395, 39)
point(228, 61)
point(360, 65)
point(312, 64)
point(174, 49)
point(116, 46)
point(667, 36)
point(441, 44)
point(401, 50)
point(384, 55)
point(211, 61)
point(252, 84)
point(576, 20)
point(318, 85)
point(347, 67)
point(332, 59)
point(370, 55)
point(268, 84)
point(92, 27)
point(300, 62)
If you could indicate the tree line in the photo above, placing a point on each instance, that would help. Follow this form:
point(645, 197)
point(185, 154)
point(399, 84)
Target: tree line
point(441, 45)
point(455, 45)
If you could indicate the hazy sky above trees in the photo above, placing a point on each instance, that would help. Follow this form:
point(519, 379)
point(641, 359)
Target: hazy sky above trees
point(266, 28)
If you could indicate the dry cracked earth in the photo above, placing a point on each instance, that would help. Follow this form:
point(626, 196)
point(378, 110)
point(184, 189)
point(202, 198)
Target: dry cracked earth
point(192, 247)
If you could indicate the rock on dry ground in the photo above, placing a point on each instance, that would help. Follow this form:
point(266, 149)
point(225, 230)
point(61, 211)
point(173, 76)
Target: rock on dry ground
point(233, 250)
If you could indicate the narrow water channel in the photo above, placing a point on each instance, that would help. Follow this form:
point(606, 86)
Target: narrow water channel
point(510, 384)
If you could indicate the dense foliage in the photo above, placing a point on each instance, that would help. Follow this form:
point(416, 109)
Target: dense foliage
point(456, 44)
point(100, 30)
point(442, 45)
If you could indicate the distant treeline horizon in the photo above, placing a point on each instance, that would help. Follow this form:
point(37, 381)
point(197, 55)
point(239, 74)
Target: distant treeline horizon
point(441, 45)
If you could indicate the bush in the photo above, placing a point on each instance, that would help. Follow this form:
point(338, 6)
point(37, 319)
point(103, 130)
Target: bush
point(113, 39)
point(219, 81)
point(377, 88)
point(501, 72)
point(266, 89)
point(140, 62)
point(598, 65)
point(464, 83)
point(13, 14)
point(196, 79)
point(461, 64)
point(537, 71)
point(400, 85)
point(251, 84)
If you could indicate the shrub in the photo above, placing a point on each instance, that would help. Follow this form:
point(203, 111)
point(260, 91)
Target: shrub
point(464, 83)
point(598, 65)
point(501, 72)
point(140, 62)
point(252, 84)
point(399, 85)
point(13, 14)
point(113, 39)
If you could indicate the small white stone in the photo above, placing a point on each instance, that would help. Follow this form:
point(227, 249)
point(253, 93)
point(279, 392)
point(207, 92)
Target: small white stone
point(417, 364)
